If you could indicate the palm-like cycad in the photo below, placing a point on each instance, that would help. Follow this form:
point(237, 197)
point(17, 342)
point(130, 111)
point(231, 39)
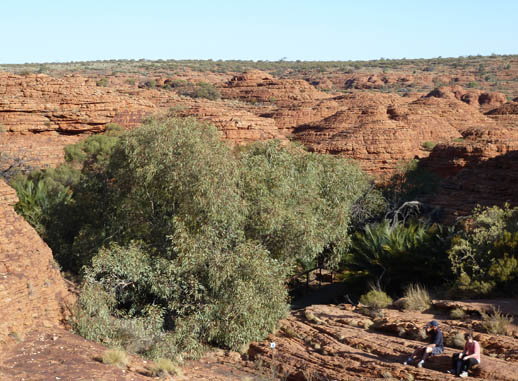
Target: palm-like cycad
point(396, 254)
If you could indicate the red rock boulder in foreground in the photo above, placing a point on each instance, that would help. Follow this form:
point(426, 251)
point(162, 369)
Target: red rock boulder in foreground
point(32, 291)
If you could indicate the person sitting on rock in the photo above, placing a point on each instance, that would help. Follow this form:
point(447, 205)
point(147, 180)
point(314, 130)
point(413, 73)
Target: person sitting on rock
point(436, 346)
point(463, 362)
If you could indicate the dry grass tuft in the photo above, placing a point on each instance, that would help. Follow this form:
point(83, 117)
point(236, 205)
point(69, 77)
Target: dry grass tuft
point(417, 298)
point(375, 299)
point(115, 357)
point(312, 317)
point(455, 340)
point(165, 368)
point(495, 322)
point(457, 313)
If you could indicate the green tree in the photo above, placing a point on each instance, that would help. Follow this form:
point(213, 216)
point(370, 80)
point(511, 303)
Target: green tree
point(484, 254)
point(173, 186)
point(300, 205)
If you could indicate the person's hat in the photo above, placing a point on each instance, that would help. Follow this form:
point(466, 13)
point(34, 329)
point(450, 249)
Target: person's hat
point(433, 323)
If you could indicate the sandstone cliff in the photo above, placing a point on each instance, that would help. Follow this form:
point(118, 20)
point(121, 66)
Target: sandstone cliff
point(32, 291)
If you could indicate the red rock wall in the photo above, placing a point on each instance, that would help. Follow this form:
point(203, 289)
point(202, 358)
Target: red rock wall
point(32, 291)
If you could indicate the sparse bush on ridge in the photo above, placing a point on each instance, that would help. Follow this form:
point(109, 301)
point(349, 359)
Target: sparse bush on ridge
point(428, 146)
point(194, 90)
point(103, 82)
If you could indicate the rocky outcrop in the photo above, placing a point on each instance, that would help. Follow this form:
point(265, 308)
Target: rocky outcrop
point(32, 291)
point(57, 354)
point(34, 150)
point(478, 98)
point(340, 343)
point(477, 145)
point(73, 104)
point(380, 130)
point(238, 125)
point(258, 86)
point(505, 115)
point(479, 169)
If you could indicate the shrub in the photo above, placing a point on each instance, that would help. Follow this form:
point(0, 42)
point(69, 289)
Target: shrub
point(115, 357)
point(103, 82)
point(164, 367)
point(149, 84)
point(457, 313)
point(376, 299)
point(428, 146)
point(455, 340)
point(417, 298)
point(495, 322)
point(394, 254)
point(194, 90)
point(484, 254)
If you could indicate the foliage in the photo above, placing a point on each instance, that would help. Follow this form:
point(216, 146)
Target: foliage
point(173, 186)
point(395, 254)
point(36, 201)
point(417, 298)
point(300, 205)
point(194, 90)
point(455, 339)
point(95, 148)
point(165, 367)
point(103, 82)
point(115, 357)
point(457, 313)
point(495, 322)
point(376, 299)
point(484, 254)
point(428, 146)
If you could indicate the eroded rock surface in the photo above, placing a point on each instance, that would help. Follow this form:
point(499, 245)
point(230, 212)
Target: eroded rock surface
point(32, 291)
point(339, 343)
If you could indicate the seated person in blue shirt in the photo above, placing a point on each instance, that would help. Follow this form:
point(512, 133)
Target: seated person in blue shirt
point(435, 347)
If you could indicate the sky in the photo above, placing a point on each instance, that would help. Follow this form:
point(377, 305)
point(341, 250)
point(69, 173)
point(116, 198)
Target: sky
point(77, 30)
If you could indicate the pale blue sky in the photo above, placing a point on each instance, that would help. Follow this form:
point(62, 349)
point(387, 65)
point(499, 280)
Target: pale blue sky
point(69, 30)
